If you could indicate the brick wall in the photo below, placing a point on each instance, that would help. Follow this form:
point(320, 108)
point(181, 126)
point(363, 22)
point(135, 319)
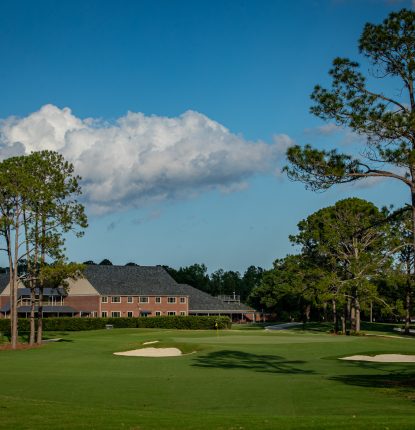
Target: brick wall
point(137, 307)
point(3, 301)
point(84, 303)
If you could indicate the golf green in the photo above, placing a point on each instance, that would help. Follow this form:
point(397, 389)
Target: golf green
point(237, 379)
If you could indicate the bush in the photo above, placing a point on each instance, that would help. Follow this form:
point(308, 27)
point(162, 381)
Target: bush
point(81, 324)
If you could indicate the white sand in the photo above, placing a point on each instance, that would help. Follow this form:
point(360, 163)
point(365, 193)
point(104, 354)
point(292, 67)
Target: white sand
point(151, 352)
point(383, 358)
point(151, 342)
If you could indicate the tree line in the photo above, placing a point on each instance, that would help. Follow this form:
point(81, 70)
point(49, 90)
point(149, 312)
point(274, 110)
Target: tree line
point(354, 259)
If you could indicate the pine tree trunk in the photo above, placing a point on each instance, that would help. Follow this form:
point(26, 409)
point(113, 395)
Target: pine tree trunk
point(40, 317)
point(407, 307)
point(408, 301)
point(29, 272)
point(325, 311)
point(12, 308)
point(344, 318)
point(353, 317)
point(335, 319)
point(14, 286)
point(307, 313)
point(6, 233)
point(32, 316)
point(40, 284)
point(349, 313)
point(357, 314)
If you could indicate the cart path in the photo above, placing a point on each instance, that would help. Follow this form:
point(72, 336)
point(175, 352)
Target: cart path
point(284, 326)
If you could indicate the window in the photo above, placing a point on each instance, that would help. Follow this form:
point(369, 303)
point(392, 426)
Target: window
point(104, 314)
point(182, 299)
point(143, 299)
point(158, 313)
point(130, 299)
point(171, 299)
point(171, 313)
point(104, 299)
point(115, 314)
point(129, 314)
point(183, 313)
point(116, 299)
point(158, 299)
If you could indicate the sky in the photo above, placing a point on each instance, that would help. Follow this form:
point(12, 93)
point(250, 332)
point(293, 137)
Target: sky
point(177, 115)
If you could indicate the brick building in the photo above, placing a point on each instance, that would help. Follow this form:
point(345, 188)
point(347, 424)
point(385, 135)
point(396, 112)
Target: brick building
point(124, 291)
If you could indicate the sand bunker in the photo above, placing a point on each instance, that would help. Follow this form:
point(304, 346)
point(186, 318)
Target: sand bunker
point(383, 358)
point(150, 342)
point(151, 352)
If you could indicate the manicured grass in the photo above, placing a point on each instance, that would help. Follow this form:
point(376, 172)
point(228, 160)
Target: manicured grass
point(238, 379)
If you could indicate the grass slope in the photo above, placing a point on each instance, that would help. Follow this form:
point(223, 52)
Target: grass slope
point(242, 379)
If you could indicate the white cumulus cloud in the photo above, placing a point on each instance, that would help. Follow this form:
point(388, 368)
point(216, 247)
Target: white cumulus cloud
point(140, 158)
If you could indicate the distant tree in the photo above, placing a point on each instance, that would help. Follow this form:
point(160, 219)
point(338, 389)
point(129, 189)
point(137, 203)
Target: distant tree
point(194, 275)
point(232, 283)
point(220, 282)
point(251, 279)
point(105, 262)
point(403, 267)
point(386, 121)
point(131, 264)
point(89, 263)
point(289, 289)
point(350, 239)
point(216, 286)
point(225, 283)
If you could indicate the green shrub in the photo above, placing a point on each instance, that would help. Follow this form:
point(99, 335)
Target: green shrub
point(80, 324)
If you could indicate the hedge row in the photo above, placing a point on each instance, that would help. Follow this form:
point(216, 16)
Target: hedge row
point(80, 324)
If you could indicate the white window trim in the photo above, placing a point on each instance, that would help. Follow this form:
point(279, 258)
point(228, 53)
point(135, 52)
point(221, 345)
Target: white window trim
point(158, 299)
point(130, 316)
point(115, 316)
point(104, 299)
point(182, 300)
point(104, 316)
point(171, 313)
point(158, 313)
point(113, 297)
point(171, 302)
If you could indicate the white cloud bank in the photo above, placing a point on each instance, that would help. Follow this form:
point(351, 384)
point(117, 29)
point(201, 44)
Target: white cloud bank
point(142, 158)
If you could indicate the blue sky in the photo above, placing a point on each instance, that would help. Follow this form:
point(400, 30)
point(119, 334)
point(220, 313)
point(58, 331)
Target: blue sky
point(243, 70)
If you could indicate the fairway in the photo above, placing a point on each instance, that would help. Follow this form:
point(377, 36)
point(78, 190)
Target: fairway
point(236, 379)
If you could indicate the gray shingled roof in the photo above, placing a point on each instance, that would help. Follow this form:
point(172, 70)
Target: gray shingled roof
point(4, 281)
point(201, 301)
point(131, 280)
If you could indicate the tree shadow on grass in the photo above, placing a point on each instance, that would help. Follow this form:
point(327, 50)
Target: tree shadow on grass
point(397, 380)
point(249, 361)
point(402, 383)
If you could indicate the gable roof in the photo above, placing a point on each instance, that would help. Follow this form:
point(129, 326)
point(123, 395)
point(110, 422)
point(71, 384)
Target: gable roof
point(4, 281)
point(201, 301)
point(131, 280)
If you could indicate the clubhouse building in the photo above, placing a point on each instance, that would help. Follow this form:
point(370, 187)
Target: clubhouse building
point(125, 291)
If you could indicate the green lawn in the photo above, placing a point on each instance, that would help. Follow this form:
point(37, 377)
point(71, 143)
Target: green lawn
point(238, 379)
